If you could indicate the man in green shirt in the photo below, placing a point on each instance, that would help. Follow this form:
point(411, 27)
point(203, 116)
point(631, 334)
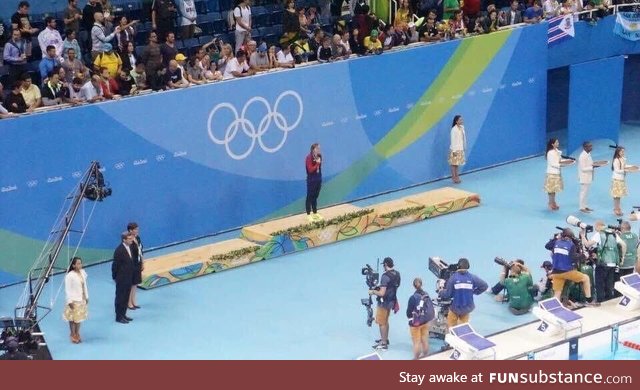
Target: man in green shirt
point(610, 249)
point(519, 286)
point(630, 261)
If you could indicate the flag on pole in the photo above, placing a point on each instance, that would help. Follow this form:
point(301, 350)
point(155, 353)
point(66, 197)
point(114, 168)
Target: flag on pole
point(561, 28)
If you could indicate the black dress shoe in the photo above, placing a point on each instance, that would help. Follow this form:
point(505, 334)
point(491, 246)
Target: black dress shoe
point(132, 308)
point(122, 321)
point(128, 318)
point(137, 307)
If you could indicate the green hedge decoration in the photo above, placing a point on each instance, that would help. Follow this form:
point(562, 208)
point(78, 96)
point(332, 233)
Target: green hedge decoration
point(307, 227)
point(234, 254)
point(402, 212)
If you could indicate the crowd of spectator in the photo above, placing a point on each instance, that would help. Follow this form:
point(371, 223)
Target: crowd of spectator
point(96, 54)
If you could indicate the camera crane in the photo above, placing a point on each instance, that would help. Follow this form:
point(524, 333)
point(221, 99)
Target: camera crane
point(92, 187)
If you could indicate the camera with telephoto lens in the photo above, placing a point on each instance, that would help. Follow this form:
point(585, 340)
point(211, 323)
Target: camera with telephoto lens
point(613, 229)
point(503, 262)
point(575, 221)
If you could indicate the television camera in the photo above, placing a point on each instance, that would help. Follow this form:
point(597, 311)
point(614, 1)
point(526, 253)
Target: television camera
point(96, 188)
point(372, 278)
point(443, 272)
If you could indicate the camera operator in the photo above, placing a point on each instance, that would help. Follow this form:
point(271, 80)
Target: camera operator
point(11, 343)
point(610, 250)
point(460, 288)
point(387, 300)
point(566, 258)
point(519, 286)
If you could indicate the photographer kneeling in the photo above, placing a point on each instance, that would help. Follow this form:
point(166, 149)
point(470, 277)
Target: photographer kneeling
point(566, 258)
point(519, 286)
point(387, 300)
point(460, 288)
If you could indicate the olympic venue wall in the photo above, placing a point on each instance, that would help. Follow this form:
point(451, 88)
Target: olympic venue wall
point(197, 161)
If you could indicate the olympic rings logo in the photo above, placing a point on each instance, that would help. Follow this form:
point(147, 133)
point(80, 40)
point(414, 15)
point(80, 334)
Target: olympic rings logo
point(240, 122)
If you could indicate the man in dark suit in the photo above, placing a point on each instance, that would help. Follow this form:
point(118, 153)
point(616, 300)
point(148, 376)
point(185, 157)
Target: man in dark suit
point(511, 16)
point(122, 272)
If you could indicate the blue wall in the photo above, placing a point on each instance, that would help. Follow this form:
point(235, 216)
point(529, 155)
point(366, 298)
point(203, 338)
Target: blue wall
point(589, 118)
point(557, 99)
point(383, 123)
point(631, 89)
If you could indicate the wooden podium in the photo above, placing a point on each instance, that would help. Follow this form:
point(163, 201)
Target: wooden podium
point(295, 233)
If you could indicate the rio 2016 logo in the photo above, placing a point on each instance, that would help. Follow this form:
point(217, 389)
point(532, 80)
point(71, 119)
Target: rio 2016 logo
point(240, 124)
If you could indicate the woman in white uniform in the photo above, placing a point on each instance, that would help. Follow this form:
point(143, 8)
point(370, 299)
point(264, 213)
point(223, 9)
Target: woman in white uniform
point(553, 182)
point(618, 183)
point(457, 147)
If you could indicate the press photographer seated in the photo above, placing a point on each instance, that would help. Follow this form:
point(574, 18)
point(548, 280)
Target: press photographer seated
point(498, 287)
point(519, 286)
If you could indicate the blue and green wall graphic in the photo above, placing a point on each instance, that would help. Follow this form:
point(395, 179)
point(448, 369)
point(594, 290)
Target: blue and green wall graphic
point(196, 161)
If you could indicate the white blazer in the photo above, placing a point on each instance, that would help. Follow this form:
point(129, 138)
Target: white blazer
point(73, 286)
point(585, 168)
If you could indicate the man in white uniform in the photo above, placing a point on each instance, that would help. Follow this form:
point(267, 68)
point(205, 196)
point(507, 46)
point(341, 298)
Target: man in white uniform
point(585, 174)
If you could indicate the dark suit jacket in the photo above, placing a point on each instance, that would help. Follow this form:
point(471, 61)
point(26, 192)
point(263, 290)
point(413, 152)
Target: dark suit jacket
point(122, 267)
point(126, 61)
point(135, 252)
point(507, 18)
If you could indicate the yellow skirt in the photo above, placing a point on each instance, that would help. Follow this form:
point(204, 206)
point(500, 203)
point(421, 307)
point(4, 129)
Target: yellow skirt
point(553, 183)
point(618, 188)
point(456, 158)
point(78, 314)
